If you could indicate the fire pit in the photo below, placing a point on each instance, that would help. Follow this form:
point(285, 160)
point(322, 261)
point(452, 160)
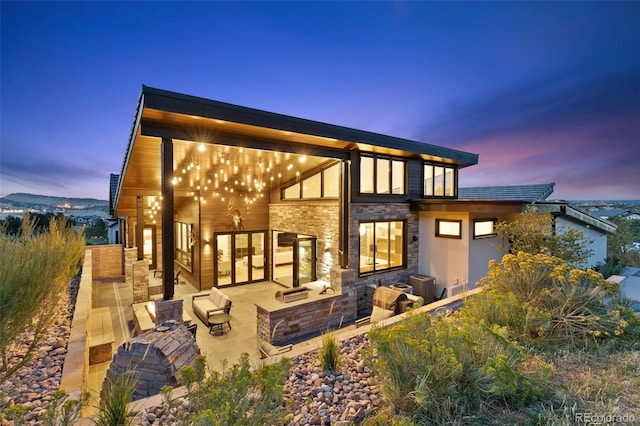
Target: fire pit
point(155, 357)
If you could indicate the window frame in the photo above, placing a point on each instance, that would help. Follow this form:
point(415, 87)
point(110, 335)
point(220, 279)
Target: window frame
point(300, 182)
point(453, 187)
point(390, 188)
point(489, 235)
point(375, 238)
point(184, 234)
point(440, 234)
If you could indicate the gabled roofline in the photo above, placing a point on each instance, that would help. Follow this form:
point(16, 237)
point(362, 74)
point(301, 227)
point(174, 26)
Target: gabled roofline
point(565, 209)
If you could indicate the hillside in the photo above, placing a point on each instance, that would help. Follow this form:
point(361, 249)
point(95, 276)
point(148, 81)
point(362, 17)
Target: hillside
point(30, 200)
point(14, 204)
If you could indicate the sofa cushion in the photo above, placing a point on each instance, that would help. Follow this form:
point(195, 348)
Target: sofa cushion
point(379, 314)
point(204, 305)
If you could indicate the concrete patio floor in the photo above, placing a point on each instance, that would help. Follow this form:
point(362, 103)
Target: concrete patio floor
point(241, 338)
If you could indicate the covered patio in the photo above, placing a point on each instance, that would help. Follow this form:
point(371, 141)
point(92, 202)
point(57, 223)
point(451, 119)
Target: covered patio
point(117, 296)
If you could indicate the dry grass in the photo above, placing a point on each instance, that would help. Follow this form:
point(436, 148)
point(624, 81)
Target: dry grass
point(602, 385)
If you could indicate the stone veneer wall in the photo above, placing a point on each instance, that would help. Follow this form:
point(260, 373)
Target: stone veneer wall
point(106, 261)
point(302, 320)
point(140, 281)
point(168, 310)
point(318, 219)
point(299, 321)
point(130, 256)
point(381, 211)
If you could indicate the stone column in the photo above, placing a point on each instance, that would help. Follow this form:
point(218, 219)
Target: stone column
point(344, 281)
point(140, 280)
point(130, 256)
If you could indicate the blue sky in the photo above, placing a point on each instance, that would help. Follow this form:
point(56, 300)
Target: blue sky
point(542, 91)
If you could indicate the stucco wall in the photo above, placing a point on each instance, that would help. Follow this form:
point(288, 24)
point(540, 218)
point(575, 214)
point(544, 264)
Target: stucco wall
point(598, 244)
point(446, 259)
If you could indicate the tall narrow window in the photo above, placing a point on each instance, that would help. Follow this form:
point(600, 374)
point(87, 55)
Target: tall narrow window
point(331, 182)
point(397, 177)
point(382, 171)
point(382, 246)
point(367, 171)
point(184, 239)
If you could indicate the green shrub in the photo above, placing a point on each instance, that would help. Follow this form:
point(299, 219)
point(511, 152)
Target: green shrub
point(35, 269)
point(62, 411)
point(442, 370)
point(114, 406)
point(329, 355)
point(15, 414)
point(553, 301)
point(236, 395)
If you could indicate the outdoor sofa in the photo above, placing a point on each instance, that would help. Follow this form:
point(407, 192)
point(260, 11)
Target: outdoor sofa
point(209, 303)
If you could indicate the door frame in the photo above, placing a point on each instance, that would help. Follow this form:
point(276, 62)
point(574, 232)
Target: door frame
point(297, 261)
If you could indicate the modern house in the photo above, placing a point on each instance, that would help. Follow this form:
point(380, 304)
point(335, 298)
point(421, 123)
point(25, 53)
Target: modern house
point(231, 196)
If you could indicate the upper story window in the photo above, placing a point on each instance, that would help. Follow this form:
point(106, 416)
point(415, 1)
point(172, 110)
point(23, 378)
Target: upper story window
point(382, 175)
point(382, 246)
point(324, 184)
point(439, 181)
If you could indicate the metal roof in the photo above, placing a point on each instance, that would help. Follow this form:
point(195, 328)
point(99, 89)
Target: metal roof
point(530, 193)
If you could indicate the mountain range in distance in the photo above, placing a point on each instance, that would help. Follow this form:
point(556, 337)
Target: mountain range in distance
point(87, 206)
point(18, 202)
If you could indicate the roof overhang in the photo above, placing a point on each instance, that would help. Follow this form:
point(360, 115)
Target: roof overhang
point(187, 119)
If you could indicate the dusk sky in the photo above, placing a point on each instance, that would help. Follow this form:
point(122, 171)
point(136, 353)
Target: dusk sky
point(542, 91)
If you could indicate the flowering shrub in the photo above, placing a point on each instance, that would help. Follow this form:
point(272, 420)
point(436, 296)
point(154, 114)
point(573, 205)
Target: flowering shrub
point(422, 362)
point(553, 300)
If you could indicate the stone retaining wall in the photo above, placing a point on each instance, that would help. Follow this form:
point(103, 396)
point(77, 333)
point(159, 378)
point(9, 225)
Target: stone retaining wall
point(76, 363)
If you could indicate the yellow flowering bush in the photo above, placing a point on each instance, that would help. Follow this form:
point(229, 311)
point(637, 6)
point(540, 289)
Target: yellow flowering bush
point(561, 303)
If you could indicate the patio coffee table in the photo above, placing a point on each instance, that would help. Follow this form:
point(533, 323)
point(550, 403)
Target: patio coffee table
point(219, 320)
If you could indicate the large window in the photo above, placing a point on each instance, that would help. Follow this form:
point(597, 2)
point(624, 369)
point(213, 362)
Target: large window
point(324, 184)
point(185, 238)
point(381, 175)
point(382, 246)
point(439, 181)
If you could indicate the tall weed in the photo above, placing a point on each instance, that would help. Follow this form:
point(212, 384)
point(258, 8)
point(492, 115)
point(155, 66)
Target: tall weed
point(34, 271)
point(329, 355)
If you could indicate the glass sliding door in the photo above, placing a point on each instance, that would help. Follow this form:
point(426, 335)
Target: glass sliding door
point(282, 257)
point(224, 262)
point(240, 257)
point(293, 258)
point(150, 253)
point(304, 261)
point(257, 260)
